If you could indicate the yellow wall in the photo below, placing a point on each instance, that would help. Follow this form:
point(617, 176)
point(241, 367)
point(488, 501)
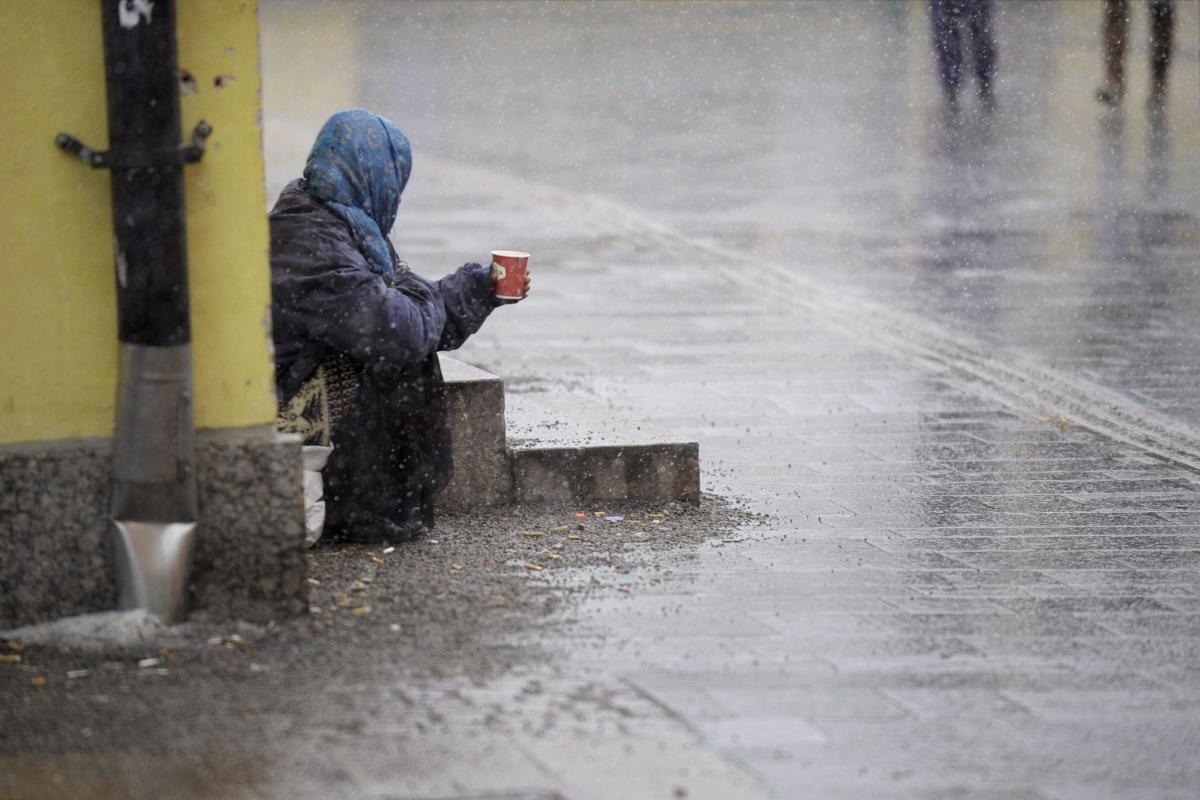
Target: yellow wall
point(301, 93)
point(58, 347)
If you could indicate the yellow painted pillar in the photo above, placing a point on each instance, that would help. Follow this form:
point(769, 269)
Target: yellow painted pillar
point(58, 334)
point(58, 348)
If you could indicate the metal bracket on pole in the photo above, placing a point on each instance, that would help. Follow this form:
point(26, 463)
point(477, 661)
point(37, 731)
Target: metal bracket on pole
point(105, 159)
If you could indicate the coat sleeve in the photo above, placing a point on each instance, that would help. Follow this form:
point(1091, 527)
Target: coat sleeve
point(353, 311)
point(468, 296)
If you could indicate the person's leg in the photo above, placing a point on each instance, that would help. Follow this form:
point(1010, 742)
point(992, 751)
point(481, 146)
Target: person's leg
point(1116, 32)
point(1162, 28)
point(983, 47)
point(947, 46)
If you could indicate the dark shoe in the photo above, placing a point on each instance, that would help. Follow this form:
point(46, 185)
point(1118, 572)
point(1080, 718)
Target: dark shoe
point(1109, 95)
point(987, 99)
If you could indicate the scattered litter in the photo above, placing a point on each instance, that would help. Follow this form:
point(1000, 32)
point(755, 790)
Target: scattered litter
point(314, 581)
point(358, 587)
point(456, 567)
point(431, 541)
point(600, 513)
point(387, 551)
point(147, 663)
point(614, 518)
point(314, 609)
point(343, 601)
point(635, 522)
point(656, 515)
point(623, 588)
point(574, 537)
point(38, 681)
point(394, 627)
point(560, 528)
point(216, 640)
point(16, 647)
point(533, 567)
point(656, 522)
point(580, 514)
point(531, 534)
point(259, 668)
point(362, 611)
point(74, 674)
point(554, 557)
point(10, 658)
point(376, 560)
point(236, 639)
point(581, 527)
point(499, 599)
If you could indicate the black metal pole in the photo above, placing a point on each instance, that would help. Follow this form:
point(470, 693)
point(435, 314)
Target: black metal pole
point(154, 507)
point(141, 73)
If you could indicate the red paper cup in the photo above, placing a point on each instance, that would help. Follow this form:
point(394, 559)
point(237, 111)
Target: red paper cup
point(510, 266)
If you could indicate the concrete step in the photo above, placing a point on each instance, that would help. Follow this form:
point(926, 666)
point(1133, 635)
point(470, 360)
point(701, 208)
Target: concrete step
point(482, 476)
point(648, 473)
point(487, 472)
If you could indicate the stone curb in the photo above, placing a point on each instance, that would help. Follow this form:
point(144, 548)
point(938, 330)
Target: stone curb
point(649, 473)
point(489, 473)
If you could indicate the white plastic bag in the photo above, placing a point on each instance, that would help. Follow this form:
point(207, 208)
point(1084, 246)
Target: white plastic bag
point(315, 457)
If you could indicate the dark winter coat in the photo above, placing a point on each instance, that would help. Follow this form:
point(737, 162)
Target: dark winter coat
point(391, 453)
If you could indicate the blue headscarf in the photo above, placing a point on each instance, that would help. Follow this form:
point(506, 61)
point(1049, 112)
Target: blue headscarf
point(358, 168)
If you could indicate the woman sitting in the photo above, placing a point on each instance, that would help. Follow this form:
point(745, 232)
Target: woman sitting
point(357, 333)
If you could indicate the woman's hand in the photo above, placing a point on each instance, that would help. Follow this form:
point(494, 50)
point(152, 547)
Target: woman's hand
point(525, 289)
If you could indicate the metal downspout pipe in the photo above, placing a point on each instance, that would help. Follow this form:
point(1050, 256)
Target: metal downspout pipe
point(153, 505)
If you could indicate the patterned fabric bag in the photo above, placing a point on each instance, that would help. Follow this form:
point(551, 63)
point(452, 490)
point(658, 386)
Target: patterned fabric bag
point(313, 413)
point(314, 410)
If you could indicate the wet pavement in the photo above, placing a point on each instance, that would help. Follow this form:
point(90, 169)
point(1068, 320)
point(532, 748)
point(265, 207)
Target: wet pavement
point(953, 590)
point(754, 226)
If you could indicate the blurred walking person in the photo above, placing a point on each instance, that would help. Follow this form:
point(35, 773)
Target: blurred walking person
point(1116, 35)
point(959, 26)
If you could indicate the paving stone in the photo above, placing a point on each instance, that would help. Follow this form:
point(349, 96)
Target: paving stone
point(807, 704)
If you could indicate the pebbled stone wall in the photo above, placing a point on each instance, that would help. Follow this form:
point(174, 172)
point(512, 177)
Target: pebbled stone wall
point(55, 547)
